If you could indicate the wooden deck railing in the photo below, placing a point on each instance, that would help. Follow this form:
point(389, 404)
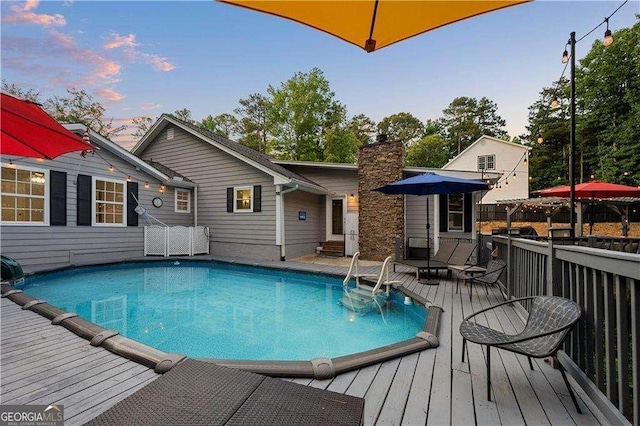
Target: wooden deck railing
point(604, 349)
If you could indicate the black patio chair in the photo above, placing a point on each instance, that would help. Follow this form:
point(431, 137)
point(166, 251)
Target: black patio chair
point(490, 276)
point(550, 320)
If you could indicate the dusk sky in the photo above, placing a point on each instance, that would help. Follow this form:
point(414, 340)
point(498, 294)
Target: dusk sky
point(149, 57)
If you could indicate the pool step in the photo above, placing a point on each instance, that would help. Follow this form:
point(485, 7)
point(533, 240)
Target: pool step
point(362, 301)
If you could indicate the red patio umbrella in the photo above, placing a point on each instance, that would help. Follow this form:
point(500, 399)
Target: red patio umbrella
point(28, 131)
point(593, 190)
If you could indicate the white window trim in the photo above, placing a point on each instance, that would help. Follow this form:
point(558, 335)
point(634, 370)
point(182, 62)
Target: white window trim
point(47, 183)
point(486, 157)
point(461, 213)
point(175, 200)
point(235, 199)
point(93, 202)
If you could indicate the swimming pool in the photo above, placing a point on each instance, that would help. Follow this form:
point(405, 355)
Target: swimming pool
point(216, 310)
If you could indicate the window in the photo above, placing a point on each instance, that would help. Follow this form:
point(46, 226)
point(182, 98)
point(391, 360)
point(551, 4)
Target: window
point(109, 202)
point(24, 195)
point(486, 162)
point(183, 201)
point(456, 212)
point(242, 199)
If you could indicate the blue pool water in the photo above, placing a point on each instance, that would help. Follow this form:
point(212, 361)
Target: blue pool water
point(214, 310)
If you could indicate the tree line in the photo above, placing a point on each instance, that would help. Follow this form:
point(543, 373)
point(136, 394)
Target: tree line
point(301, 119)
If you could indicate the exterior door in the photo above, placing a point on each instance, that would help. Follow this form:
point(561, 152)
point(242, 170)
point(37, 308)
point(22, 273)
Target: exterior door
point(351, 234)
point(336, 208)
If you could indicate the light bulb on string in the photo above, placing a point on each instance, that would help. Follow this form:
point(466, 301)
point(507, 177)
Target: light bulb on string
point(608, 37)
point(539, 139)
point(565, 57)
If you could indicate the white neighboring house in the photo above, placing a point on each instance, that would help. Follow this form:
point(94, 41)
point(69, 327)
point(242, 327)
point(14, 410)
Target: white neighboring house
point(497, 155)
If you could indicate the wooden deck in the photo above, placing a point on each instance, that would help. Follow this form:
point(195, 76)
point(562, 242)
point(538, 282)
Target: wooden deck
point(44, 364)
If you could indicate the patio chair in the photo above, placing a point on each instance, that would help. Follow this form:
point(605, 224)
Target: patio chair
point(447, 248)
point(490, 276)
point(550, 320)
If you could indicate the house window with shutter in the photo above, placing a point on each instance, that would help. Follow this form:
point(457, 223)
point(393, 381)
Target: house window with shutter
point(24, 195)
point(456, 212)
point(183, 201)
point(109, 202)
point(243, 199)
point(486, 162)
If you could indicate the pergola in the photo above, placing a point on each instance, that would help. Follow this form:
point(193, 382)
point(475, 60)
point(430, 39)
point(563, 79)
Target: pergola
point(551, 205)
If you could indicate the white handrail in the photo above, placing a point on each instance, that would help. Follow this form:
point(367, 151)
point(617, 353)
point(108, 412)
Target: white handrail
point(383, 272)
point(354, 263)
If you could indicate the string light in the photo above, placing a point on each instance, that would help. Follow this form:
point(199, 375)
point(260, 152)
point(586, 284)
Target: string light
point(146, 185)
point(128, 178)
point(110, 168)
point(608, 37)
point(11, 165)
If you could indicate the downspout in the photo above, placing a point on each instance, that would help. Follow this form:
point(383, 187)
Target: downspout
point(195, 206)
point(280, 224)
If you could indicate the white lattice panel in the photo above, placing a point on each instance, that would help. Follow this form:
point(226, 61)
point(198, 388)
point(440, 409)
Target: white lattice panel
point(179, 241)
point(200, 240)
point(155, 240)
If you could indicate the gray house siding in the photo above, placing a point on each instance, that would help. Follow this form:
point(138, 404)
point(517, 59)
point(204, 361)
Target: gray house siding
point(39, 247)
point(341, 182)
point(302, 236)
point(416, 217)
point(233, 234)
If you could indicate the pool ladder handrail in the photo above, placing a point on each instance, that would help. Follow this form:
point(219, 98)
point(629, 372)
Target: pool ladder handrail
point(383, 277)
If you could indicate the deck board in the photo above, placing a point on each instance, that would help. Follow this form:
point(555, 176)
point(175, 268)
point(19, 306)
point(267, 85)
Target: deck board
point(429, 387)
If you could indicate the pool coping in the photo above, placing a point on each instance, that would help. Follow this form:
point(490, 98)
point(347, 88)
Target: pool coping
point(161, 362)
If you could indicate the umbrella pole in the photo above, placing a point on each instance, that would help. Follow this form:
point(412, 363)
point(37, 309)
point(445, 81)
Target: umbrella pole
point(428, 280)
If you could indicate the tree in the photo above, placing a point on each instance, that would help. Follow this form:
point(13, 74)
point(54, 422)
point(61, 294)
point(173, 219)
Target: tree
point(224, 124)
point(608, 91)
point(549, 160)
point(341, 145)
point(301, 110)
point(466, 119)
point(253, 127)
point(79, 107)
point(402, 127)
point(19, 92)
point(430, 151)
point(363, 128)
point(184, 114)
point(143, 124)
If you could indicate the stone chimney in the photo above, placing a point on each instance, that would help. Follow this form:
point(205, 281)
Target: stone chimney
point(381, 216)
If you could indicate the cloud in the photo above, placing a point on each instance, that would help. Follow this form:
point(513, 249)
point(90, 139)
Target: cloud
point(120, 41)
point(148, 105)
point(159, 63)
point(130, 48)
point(110, 95)
point(22, 14)
point(57, 56)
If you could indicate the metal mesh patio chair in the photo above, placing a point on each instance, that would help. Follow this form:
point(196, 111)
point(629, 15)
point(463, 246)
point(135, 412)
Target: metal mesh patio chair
point(490, 276)
point(550, 320)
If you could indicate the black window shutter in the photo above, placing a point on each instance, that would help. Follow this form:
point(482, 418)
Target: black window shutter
point(84, 200)
point(468, 212)
point(229, 200)
point(57, 198)
point(132, 194)
point(257, 198)
point(444, 213)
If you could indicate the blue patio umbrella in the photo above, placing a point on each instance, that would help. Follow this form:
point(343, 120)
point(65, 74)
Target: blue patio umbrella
point(429, 184)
